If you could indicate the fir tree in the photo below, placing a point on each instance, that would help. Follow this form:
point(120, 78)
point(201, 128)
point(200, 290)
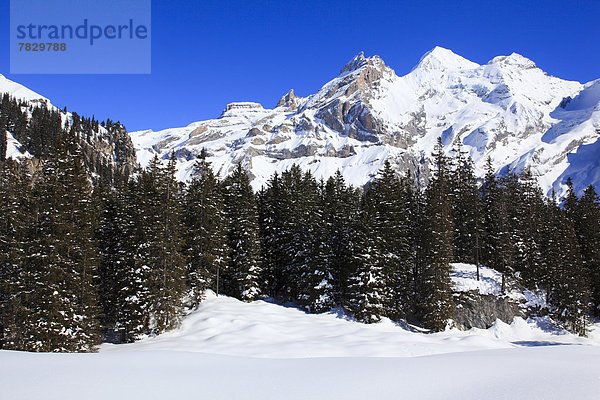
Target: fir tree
point(129, 272)
point(295, 252)
point(115, 237)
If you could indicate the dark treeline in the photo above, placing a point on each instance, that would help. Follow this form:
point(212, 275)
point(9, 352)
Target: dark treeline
point(81, 264)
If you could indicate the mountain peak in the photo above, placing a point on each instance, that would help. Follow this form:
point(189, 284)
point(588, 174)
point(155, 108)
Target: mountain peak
point(288, 100)
point(359, 61)
point(513, 59)
point(442, 58)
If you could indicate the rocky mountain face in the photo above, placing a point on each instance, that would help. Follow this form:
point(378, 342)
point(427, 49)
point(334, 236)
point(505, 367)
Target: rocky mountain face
point(107, 150)
point(507, 109)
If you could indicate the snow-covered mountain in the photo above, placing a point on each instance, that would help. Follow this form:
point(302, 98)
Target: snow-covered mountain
point(507, 109)
point(19, 91)
point(106, 151)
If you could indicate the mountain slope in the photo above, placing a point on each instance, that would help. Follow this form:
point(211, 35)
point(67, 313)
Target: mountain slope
point(19, 91)
point(507, 109)
point(107, 149)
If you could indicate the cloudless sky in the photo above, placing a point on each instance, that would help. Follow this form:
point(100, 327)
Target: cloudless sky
point(206, 53)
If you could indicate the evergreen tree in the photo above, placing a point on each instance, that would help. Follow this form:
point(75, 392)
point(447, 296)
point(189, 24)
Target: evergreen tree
point(587, 224)
point(467, 210)
point(243, 276)
point(315, 284)
point(15, 223)
point(295, 253)
point(3, 137)
point(61, 259)
point(528, 237)
point(165, 259)
point(272, 216)
point(130, 272)
point(567, 285)
point(340, 212)
point(206, 230)
point(367, 290)
point(436, 305)
point(498, 197)
point(386, 265)
point(115, 237)
point(152, 280)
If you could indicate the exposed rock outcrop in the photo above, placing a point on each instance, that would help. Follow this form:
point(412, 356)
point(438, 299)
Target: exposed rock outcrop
point(474, 310)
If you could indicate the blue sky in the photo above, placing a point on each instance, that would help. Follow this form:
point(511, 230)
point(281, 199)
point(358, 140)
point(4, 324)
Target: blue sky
point(206, 54)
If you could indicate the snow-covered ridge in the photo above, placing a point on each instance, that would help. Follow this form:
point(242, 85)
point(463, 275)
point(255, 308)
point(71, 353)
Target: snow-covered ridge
point(19, 91)
point(507, 109)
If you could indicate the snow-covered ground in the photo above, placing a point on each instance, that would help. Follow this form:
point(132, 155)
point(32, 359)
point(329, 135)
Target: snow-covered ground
point(227, 349)
point(260, 329)
point(548, 372)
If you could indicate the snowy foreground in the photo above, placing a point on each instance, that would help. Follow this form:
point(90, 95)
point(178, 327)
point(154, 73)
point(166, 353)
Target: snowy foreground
point(227, 349)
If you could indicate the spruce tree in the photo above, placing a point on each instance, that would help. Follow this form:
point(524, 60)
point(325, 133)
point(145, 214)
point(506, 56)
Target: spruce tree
point(130, 273)
point(273, 228)
point(498, 197)
point(467, 210)
point(567, 283)
point(436, 305)
point(587, 224)
point(295, 251)
point(383, 283)
point(527, 240)
point(340, 212)
point(116, 244)
point(207, 226)
point(315, 284)
point(165, 258)
point(61, 261)
point(3, 137)
point(367, 290)
point(244, 271)
point(152, 281)
point(15, 223)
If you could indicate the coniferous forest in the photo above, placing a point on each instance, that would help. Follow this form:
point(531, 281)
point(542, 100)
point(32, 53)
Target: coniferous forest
point(87, 257)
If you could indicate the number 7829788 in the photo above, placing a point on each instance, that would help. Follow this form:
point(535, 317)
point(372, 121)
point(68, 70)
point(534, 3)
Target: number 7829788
point(42, 46)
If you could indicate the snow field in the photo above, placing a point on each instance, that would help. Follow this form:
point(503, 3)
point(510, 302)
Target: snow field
point(227, 349)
